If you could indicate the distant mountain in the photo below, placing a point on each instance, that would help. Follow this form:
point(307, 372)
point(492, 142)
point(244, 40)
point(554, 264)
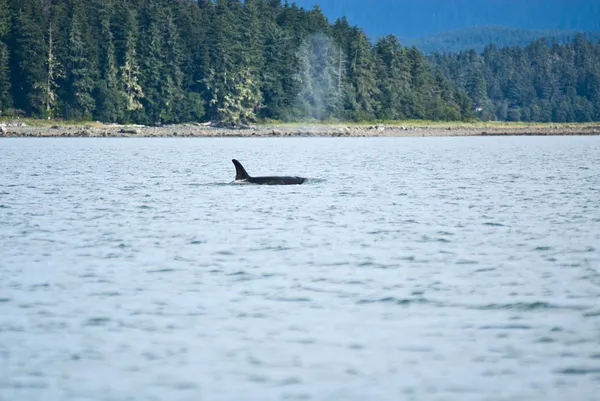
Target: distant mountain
point(479, 37)
point(420, 18)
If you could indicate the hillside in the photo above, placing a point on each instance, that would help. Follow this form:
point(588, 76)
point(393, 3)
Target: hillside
point(478, 38)
point(232, 62)
point(416, 19)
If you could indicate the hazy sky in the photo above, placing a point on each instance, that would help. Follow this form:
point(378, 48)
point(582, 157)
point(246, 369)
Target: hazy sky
point(415, 18)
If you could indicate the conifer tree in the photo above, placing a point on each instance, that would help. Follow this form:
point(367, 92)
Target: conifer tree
point(237, 98)
point(130, 70)
point(111, 100)
point(5, 96)
point(161, 61)
point(4, 19)
point(27, 49)
point(190, 22)
point(172, 76)
point(278, 85)
point(80, 73)
point(362, 71)
point(151, 45)
point(232, 81)
point(394, 77)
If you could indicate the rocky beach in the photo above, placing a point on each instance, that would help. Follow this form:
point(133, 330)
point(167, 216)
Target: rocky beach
point(20, 129)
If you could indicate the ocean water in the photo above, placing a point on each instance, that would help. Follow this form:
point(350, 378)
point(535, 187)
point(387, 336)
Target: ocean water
point(404, 269)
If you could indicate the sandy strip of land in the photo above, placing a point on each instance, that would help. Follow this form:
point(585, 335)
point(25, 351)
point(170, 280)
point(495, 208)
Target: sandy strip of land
point(199, 130)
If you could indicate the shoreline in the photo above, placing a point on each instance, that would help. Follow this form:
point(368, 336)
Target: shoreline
point(18, 129)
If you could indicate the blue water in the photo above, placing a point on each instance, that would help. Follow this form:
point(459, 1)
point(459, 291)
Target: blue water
point(405, 269)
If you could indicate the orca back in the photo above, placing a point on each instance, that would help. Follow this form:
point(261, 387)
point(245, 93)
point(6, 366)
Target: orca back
point(242, 176)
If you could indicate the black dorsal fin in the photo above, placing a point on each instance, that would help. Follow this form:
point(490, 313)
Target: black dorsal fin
point(240, 171)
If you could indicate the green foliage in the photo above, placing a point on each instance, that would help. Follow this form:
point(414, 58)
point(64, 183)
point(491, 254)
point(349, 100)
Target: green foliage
point(477, 38)
point(234, 61)
point(235, 98)
point(362, 70)
point(537, 83)
point(4, 19)
point(5, 98)
point(130, 70)
point(27, 48)
point(80, 72)
point(394, 77)
point(110, 98)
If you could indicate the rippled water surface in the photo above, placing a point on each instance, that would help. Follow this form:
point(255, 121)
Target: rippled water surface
point(405, 269)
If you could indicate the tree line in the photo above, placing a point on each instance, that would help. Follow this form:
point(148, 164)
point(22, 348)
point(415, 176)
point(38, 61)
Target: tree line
point(538, 82)
point(172, 61)
point(477, 38)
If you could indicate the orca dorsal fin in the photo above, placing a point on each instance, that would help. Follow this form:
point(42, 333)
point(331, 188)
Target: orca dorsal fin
point(240, 171)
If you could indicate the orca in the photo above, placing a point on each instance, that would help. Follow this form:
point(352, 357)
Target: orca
point(241, 176)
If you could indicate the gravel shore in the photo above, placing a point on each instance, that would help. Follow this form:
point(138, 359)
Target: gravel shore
point(199, 130)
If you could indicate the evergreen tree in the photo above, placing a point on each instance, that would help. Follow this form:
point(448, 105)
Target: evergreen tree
point(5, 97)
point(191, 54)
point(80, 73)
point(421, 89)
point(4, 19)
point(172, 76)
point(232, 61)
point(27, 50)
point(238, 100)
point(111, 100)
point(394, 77)
point(362, 72)
point(278, 83)
point(232, 82)
point(130, 70)
point(540, 82)
point(151, 45)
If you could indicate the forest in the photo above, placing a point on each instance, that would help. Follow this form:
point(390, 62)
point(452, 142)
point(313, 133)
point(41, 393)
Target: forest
point(157, 62)
point(558, 83)
point(477, 38)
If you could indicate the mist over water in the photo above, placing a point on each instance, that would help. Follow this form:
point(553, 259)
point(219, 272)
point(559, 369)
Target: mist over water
point(320, 73)
point(406, 268)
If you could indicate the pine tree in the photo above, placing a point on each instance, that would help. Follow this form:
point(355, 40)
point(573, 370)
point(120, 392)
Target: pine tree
point(362, 71)
point(27, 49)
point(80, 73)
point(130, 70)
point(237, 98)
point(232, 83)
point(4, 19)
point(190, 22)
point(111, 100)
point(161, 61)
point(394, 77)
point(5, 97)
point(278, 85)
point(220, 60)
point(172, 77)
point(151, 46)
point(56, 14)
